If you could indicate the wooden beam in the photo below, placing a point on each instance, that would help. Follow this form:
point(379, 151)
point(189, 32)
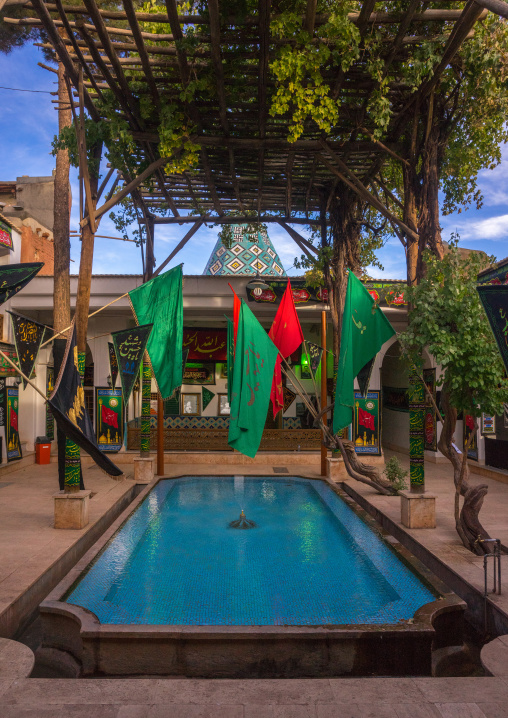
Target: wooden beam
point(310, 16)
point(136, 182)
point(132, 103)
point(62, 53)
point(181, 244)
point(66, 25)
point(297, 237)
point(498, 7)
point(352, 181)
point(138, 39)
point(83, 155)
point(233, 219)
point(375, 18)
point(289, 179)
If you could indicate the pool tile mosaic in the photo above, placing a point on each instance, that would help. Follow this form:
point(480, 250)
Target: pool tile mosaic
point(310, 561)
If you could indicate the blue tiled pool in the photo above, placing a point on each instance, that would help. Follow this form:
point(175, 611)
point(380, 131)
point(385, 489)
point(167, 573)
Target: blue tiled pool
point(310, 560)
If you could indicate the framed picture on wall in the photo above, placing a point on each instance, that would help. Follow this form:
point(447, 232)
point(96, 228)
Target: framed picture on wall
point(190, 403)
point(224, 371)
point(224, 408)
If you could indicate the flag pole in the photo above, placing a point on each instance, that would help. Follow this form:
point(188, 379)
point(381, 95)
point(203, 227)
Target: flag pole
point(18, 370)
point(324, 450)
point(90, 315)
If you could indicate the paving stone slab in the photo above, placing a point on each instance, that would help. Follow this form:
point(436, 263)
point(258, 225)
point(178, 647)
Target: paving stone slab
point(375, 690)
point(254, 691)
point(459, 690)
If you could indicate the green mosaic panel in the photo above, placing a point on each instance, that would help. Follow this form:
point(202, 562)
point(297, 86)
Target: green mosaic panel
point(145, 408)
point(72, 464)
point(81, 364)
point(416, 433)
point(72, 455)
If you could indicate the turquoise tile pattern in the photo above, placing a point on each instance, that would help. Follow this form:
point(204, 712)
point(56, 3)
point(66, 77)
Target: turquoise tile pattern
point(310, 560)
point(248, 254)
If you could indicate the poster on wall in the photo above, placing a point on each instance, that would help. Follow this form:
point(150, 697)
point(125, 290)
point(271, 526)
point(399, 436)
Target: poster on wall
point(367, 424)
point(488, 426)
point(199, 373)
point(11, 424)
point(50, 385)
point(5, 235)
point(109, 418)
point(430, 421)
point(468, 424)
point(2, 401)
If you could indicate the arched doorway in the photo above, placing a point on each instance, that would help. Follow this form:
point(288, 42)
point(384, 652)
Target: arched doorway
point(395, 409)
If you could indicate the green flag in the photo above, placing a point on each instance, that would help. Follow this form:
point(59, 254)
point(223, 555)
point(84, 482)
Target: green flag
point(159, 302)
point(364, 331)
point(252, 383)
point(230, 356)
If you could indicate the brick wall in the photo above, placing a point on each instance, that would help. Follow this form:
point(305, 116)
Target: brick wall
point(37, 246)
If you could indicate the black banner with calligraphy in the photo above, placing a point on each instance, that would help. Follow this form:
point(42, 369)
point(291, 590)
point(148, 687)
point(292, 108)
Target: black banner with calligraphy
point(129, 345)
point(199, 373)
point(495, 302)
point(28, 337)
point(113, 364)
point(205, 344)
point(67, 403)
point(315, 352)
point(14, 277)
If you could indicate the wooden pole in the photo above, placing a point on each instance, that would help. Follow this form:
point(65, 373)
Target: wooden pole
point(160, 436)
point(324, 450)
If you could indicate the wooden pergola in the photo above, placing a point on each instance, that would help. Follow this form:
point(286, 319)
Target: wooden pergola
point(247, 168)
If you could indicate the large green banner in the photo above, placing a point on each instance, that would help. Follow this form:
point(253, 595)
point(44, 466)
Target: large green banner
point(109, 418)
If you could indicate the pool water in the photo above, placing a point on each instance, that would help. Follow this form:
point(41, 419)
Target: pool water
point(310, 560)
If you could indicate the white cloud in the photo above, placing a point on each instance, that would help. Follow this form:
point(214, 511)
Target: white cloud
point(491, 228)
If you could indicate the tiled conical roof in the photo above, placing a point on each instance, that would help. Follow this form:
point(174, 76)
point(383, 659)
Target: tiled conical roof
point(249, 254)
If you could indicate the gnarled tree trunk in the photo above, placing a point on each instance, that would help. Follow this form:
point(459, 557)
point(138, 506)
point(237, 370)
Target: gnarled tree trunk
point(467, 522)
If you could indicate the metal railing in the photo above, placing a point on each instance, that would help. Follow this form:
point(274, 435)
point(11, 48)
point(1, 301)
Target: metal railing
point(496, 559)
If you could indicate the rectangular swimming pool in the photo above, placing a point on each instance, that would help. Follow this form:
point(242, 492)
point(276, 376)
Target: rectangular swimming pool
point(310, 560)
point(312, 590)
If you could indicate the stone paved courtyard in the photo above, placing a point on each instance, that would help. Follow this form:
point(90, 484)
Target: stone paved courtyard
point(31, 547)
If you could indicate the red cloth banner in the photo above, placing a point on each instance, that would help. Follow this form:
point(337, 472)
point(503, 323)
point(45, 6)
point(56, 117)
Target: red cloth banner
point(366, 419)
point(205, 344)
point(13, 420)
point(286, 333)
point(109, 416)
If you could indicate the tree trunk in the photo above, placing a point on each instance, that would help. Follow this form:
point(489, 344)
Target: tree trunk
point(346, 252)
point(411, 219)
point(469, 528)
point(85, 266)
point(61, 240)
point(429, 229)
point(69, 478)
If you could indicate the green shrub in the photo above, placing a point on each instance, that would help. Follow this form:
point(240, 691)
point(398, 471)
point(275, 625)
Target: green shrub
point(395, 474)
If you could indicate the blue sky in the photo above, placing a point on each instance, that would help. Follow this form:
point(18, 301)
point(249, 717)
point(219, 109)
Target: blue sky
point(28, 122)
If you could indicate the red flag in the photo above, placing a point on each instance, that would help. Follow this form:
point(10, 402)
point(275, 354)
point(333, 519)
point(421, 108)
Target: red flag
point(109, 416)
point(236, 312)
point(366, 419)
point(14, 419)
point(470, 422)
point(286, 333)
